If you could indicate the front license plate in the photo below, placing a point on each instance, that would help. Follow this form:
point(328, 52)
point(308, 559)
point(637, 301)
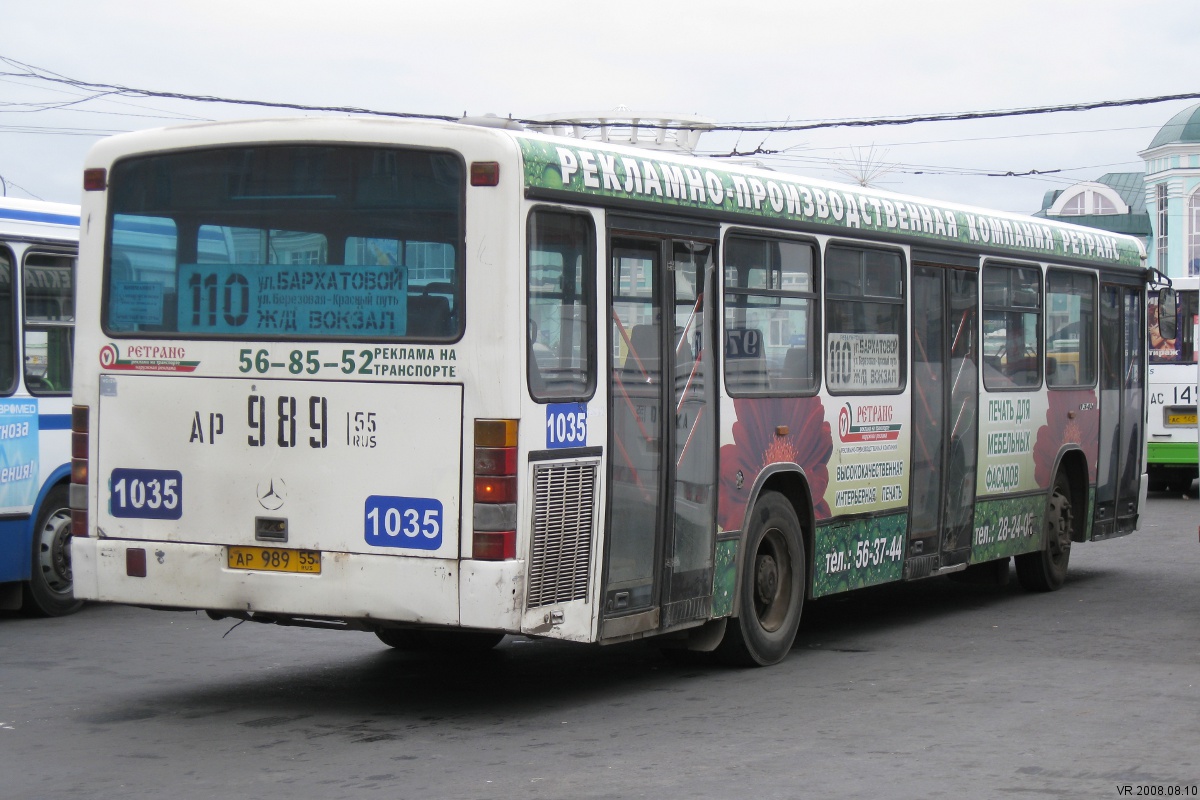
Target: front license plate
point(1181, 419)
point(275, 559)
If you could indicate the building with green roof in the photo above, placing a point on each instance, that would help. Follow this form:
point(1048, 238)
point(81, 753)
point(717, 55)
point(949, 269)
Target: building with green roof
point(1173, 194)
point(1114, 202)
point(1160, 206)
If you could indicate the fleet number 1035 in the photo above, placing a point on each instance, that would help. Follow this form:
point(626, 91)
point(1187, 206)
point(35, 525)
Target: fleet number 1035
point(405, 522)
point(566, 425)
point(146, 493)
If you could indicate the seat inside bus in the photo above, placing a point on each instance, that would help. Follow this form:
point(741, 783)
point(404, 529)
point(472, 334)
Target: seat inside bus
point(642, 360)
point(797, 370)
point(429, 312)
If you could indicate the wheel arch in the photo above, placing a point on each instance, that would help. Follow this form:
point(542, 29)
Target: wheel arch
point(61, 476)
point(1072, 462)
point(790, 481)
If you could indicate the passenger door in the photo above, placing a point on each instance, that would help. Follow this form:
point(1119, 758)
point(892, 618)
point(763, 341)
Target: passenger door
point(1119, 469)
point(945, 399)
point(661, 526)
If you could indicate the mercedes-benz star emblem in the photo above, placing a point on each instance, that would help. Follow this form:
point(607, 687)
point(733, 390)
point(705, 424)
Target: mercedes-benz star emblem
point(272, 493)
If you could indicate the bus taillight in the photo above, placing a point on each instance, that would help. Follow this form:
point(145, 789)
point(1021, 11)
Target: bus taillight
point(485, 173)
point(494, 530)
point(79, 470)
point(95, 179)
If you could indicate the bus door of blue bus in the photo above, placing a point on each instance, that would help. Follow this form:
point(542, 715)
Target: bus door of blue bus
point(945, 400)
point(661, 515)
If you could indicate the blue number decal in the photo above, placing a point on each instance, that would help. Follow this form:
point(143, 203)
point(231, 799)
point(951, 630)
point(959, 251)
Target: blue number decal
point(566, 425)
point(410, 522)
point(145, 493)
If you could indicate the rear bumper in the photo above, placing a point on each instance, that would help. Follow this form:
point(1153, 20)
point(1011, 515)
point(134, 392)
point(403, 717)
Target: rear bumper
point(1171, 454)
point(351, 586)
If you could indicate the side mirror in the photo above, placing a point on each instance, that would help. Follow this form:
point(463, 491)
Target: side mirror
point(1167, 316)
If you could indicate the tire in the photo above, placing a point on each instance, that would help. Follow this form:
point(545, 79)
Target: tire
point(1046, 570)
point(1180, 482)
point(771, 588)
point(49, 590)
point(448, 641)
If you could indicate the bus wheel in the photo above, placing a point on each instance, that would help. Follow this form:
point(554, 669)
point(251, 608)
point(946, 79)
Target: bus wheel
point(771, 589)
point(448, 641)
point(1045, 570)
point(48, 593)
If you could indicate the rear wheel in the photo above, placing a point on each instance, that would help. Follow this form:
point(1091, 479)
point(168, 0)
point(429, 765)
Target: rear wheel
point(1045, 570)
point(1181, 481)
point(771, 589)
point(49, 591)
point(449, 641)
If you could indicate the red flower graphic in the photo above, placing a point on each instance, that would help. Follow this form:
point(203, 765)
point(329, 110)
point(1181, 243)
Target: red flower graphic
point(1072, 418)
point(756, 445)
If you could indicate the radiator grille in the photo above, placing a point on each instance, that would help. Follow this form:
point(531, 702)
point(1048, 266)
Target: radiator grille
point(561, 561)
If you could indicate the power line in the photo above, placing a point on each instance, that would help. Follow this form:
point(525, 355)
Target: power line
point(39, 73)
point(952, 116)
point(58, 130)
point(159, 115)
point(958, 140)
point(7, 182)
point(106, 92)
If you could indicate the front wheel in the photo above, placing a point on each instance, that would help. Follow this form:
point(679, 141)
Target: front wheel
point(49, 591)
point(771, 587)
point(1046, 569)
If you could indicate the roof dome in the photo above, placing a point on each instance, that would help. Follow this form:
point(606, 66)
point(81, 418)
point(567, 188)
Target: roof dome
point(1183, 127)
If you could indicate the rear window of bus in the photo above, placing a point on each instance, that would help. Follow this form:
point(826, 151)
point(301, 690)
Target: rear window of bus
point(286, 242)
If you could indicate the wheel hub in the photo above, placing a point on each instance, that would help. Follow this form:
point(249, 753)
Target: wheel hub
point(766, 579)
point(55, 552)
point(1060, 525)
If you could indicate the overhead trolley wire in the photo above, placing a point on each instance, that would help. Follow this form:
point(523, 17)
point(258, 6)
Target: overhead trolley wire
point(39, 73)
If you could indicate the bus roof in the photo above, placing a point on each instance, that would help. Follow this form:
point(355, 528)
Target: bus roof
point(622, 174)
point(36, 219)
point(583, 171)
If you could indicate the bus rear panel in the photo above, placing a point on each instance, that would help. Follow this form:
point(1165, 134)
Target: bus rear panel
point(282, 425)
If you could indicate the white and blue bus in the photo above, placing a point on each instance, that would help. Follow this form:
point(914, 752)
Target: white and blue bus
point(38, 247)
point(443, 382)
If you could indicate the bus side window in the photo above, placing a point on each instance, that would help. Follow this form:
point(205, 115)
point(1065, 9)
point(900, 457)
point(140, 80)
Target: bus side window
point(770, 316)
point(864, 310)
point(1071, 325)
point(8, 372)
point(560, 306)
point(1012, 344)
point(49, 335)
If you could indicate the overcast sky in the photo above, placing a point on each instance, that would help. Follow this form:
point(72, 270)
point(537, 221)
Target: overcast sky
point(731, 61)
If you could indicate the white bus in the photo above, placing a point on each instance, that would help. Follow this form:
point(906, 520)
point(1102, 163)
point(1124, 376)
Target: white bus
point(1171, 456)
point(444, 382)
point(38, 246)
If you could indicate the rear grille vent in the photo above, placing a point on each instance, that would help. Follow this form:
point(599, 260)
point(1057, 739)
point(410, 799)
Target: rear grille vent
point(563, 522)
